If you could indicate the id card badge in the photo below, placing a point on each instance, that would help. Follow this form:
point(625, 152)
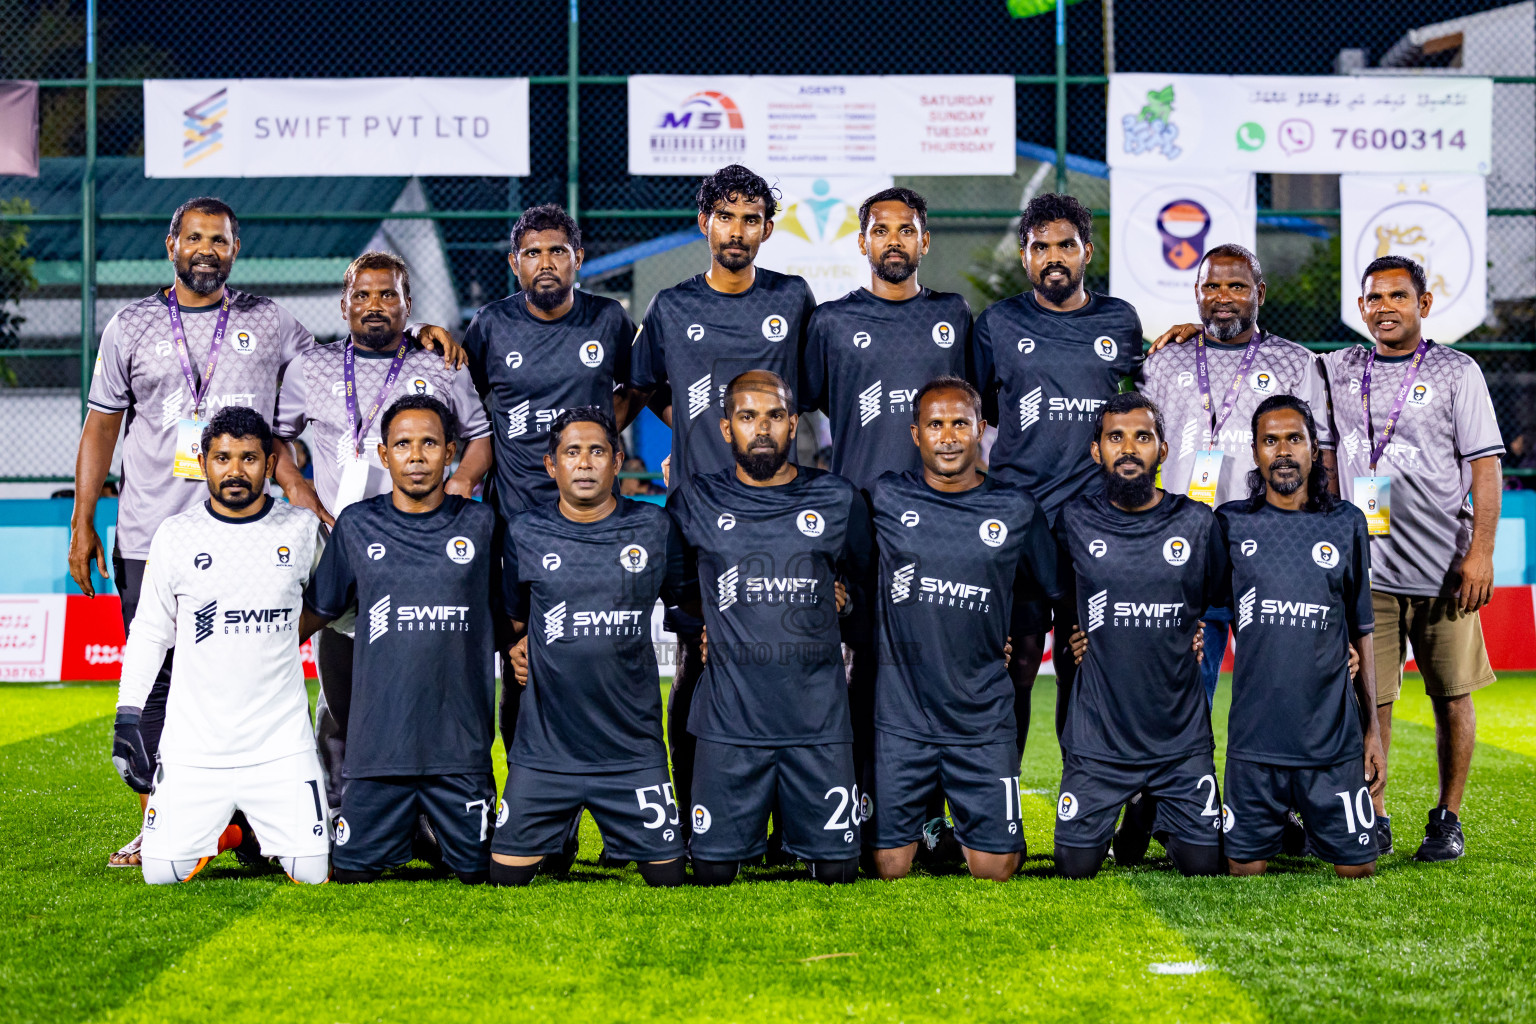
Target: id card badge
point(1205, 475)
point(1373, 496)
point(354, 480)
point(189, 444)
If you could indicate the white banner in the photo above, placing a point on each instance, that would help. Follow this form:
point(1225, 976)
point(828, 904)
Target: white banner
point(829, 125)
point(1441, 221)
point(393, 127)
point(1300, 125)
point(1160, 228)
point(31, 637)
point(816, 234)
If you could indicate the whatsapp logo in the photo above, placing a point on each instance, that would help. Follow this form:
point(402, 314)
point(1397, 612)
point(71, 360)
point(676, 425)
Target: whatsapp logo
point(1250, 136)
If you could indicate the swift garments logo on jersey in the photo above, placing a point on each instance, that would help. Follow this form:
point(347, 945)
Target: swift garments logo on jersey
point(949, 594)
point(517, 419)
point(240, 621)
point(614, 623)
point(1133, 614)
point(1398, 452)
point(1274, 612)
point(898, 400)
point(416, 618)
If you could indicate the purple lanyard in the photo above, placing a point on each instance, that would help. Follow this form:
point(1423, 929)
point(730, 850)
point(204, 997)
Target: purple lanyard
point(179, 336)
point(349, 372)
point(1203, 377)
point(1404, 389)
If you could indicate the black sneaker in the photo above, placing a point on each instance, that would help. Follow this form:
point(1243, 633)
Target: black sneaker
point(1135, 832)
point(776, 856)
point(938, 846)
point(1293, 837)
point(425, 845)
point(560, 863)
point(1442, 838)
point(1383, 835)
point(248, 853)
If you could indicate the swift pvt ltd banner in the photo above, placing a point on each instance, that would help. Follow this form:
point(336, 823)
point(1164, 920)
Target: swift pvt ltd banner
point(391, 127)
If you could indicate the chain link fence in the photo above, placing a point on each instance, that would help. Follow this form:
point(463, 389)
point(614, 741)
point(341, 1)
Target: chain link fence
point(298, 234)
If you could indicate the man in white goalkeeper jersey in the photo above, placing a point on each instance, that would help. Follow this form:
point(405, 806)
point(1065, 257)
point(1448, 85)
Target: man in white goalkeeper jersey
point(224, 586)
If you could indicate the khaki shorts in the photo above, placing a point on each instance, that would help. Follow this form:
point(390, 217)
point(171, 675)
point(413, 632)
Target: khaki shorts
point(1447, 646)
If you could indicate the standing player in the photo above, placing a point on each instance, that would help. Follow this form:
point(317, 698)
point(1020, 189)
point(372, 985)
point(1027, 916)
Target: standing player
point(697, 336)
point(168, 362)
point(1051, 357)
point(1207, 390)
point(1299, 736)
point(584, 573)
point(1416, 433)
point(957, 549)
point(224, 584)
point(419, 717)
point(867, 355)
point(771, 714)
point(339, 390)
point(1142, 565)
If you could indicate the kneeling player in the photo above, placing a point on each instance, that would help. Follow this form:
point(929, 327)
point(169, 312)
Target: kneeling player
point(957, 550)
point(1299, 736)
point(224, 586)
point(1143, 565)
point(771, 711)
point(417, 718)
point(585, 572)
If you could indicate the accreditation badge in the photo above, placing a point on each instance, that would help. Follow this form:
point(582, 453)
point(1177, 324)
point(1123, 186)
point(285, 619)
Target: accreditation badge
point(1205, 475)
point(354, 478)
point(189, 445)
point(1373, 496)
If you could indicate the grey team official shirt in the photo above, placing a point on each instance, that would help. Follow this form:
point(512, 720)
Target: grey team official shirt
point(1140, 582)
point(314, 392)
point(696, 340)
point(137, 372)
point(1447, 423)
point(866, 358)
point(1051, 371)
point(426, 587)
point(1302, 593)
point(1169, 378)
point(531, 370)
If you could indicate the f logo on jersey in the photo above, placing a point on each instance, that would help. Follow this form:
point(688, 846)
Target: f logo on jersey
point(861, 340)
point(1097, 548)
point(284, 555)
point(1176, 551)
point(909, 518)
point(775, 328)
point(1248, 547)
point(943, 334)
point(202, 559)
point(461, 550)
point(1420, 395)
point(514, 360)
point(1029, 409)
point(811, 523)
point(1105, 348)
point(993, 532)
point(1066, 807)
point(592, 354)
point(378, 618)
point(375, 551)
point(551, 561)
point(633, 558)
point(1326, 555)
point(1186, 379)
point(202, 621)
point(726, 521)
point(701, 819)
point(1026, 345)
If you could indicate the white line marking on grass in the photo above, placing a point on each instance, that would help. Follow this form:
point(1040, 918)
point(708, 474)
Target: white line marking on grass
point(1183, 967)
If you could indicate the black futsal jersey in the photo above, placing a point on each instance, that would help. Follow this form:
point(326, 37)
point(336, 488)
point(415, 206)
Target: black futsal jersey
point(423, 699)
point(951, 568)
point(1301, 592)
point(696, 340)
point(768, 558)
point(1141, 582)
point(1050, 372)
point(866, 358)
point(586, 590)
point(530, 370)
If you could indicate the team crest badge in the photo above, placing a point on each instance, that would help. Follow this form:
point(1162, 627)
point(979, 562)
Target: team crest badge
point(245, 342)
point(1326, 555)
point(633, 558)
point(701, 819)
point(1066, 807)
point(284, 556)
point(149, 819)
point(775, 328)
point(1262, 382)
point(1175, 550)
point(811, 523)
point(591, 354)
point(343, 832)
point(993, 532)
point(1105, 348)
point(1227, 818)
point(1420, 395)
point(461, 550)
point(419, 386)
point(943, 334)
point(501, 813)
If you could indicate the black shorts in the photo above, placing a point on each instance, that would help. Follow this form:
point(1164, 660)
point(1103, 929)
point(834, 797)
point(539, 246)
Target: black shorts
point(378, 820)
point(1092, 793)
point(1334, 804)
point(811, 790)
point(634, 810)
point(980, 782)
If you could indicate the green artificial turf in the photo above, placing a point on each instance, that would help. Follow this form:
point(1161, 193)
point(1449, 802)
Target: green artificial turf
point(83, 942)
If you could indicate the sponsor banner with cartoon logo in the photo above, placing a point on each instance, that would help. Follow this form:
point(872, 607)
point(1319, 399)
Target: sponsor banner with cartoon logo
point(1161, 226)
point(816, 232)
point(1438, 220)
